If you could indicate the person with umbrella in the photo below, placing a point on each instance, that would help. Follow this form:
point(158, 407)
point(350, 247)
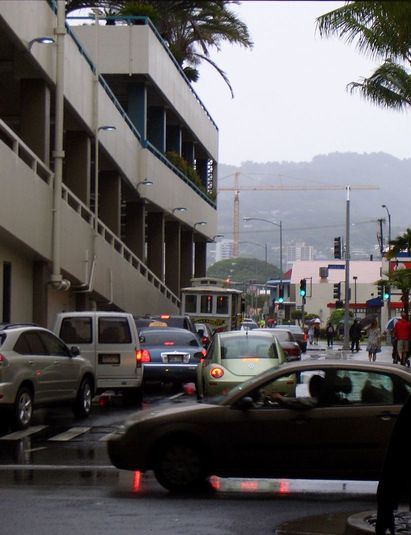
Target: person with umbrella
point(355, 335)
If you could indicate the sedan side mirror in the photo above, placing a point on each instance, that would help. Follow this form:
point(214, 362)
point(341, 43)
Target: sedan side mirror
point(245, 403)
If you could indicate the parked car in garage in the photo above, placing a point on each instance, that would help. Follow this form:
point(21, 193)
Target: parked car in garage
point(170, 354)
point(287, 341)
point(38, 369)
point(234, 357)
point(244, 434)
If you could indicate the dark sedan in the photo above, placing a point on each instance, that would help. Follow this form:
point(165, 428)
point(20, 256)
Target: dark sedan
point(287, 341)
point(299, 335)
point(170, 354)
point(343, 435)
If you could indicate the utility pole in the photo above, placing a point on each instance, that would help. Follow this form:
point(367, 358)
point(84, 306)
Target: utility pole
point(381, 237)
point(346, 343)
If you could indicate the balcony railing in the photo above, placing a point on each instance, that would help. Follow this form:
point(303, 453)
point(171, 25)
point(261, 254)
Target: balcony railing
point(9, 138)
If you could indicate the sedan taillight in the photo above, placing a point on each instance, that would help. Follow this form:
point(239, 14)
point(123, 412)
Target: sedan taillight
point(142, 356)
point(3, 359)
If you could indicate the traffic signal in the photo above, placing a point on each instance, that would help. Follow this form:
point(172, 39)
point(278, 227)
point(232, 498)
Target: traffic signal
point(303, 287)
point(337, 247)
point(337, 291)
point(380, 290)
point(280, 294)
point(386, 293)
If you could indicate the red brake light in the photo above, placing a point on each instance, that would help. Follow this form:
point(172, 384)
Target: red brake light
point(216, 373)
point(168, 343)
point(142, 355)
point(204, 352)
point(165, 316)
point(2, 358)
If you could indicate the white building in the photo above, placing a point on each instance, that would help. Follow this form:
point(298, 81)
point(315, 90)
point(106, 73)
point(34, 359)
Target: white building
point(91, 217)
point(224, 250)
point(299, 251)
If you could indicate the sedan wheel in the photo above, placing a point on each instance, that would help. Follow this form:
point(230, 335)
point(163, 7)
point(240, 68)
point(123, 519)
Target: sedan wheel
point(82, 405)
point(180, 468)
point(23, 409)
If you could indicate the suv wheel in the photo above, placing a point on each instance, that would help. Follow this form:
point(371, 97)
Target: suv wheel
point(23, 408)
point(82, 405)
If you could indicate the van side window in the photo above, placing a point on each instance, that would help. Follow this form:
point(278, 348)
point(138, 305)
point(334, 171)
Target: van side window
point(114, 331)
point(76, 330)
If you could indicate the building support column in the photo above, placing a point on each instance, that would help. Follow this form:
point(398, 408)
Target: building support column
point(189, 152)
point(77, 165)
point(173, 256)
point(35, 117)
point(186, 258)
point(155, 243)
point(41, 277)
point(137, 107)
point(174, 139)
point(156, 127)
point(135, 228)
point(110, 200)
point(200, 259)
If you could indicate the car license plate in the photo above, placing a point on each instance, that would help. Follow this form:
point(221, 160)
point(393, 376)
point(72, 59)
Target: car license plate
point(109, 358)
point(175, 359)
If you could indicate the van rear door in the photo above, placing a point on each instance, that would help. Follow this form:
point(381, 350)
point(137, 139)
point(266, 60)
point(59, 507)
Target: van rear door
point(116, 358)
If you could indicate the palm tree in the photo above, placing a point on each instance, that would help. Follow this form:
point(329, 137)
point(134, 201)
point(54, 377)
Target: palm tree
point(381, 29)
point(190, 28)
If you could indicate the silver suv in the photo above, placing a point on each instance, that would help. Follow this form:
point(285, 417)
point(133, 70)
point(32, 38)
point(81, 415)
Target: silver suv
point(38, 369)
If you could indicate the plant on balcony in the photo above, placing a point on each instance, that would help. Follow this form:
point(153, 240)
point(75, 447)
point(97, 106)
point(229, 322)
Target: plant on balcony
point(183, 166)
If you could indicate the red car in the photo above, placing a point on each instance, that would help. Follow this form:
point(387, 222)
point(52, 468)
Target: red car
point(287, 341)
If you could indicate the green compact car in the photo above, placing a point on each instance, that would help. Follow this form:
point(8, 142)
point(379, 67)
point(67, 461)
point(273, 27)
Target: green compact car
point(234, 357)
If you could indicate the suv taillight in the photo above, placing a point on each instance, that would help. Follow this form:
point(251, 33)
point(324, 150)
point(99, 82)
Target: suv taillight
point(142, 356)
point(3, 359)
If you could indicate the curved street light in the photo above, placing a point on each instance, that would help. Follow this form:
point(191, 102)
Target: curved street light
point(179, 209)
point(44, 40)
point(199, 224)
point(280, 225)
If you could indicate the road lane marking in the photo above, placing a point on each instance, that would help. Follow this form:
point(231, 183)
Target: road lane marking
point(18, 435)
point(71, 433)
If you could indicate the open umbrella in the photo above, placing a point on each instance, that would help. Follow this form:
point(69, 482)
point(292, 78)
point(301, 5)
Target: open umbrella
point(366, 322)
point(317, 320)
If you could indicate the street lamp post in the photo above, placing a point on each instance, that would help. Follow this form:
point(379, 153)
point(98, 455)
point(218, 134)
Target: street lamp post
point(355, 293)
point(389, 222)
point(280, 225)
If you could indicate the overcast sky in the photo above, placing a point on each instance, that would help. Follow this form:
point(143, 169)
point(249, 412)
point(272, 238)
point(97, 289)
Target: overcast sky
point(291, 101)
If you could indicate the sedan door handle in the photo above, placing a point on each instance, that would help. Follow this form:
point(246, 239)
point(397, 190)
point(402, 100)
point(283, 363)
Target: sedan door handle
point(386, 415)
point(301, 420)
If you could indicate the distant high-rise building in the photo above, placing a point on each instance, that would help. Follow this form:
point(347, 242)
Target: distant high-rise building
point(299, 251)
point(224, 250)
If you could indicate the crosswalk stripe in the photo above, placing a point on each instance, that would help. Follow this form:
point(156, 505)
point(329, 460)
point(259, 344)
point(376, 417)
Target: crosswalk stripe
point(69, 434)
point(18, 435)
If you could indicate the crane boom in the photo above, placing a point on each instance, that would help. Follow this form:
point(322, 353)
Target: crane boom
point(236, 188)
point(310, 187)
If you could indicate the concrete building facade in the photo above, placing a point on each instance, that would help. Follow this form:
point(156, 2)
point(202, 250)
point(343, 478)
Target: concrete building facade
point(97, 131)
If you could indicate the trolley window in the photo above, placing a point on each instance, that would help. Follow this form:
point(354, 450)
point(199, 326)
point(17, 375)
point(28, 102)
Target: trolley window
point(206, 304)
point(222, 304)
point(190, 303)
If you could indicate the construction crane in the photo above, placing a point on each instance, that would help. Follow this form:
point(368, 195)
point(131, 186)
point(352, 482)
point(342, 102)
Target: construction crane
point(236, 188)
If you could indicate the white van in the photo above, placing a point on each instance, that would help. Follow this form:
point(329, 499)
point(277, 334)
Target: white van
point(109, 340)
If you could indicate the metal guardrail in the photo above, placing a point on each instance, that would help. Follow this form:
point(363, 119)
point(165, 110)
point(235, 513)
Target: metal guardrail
point(9, 138)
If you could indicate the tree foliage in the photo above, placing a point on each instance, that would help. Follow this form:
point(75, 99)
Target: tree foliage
point(244, 270)
point(380, 30)
point(190, 28)
point(400, 278)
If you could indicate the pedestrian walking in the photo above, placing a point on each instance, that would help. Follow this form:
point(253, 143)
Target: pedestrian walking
point(311, 334)
point(374, 341)
point(390, 330)
point(402, 332)
point(316, 333)
point(330, 333)
point(355, 335)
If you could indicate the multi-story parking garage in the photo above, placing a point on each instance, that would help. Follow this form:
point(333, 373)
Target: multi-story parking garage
point(108, 167)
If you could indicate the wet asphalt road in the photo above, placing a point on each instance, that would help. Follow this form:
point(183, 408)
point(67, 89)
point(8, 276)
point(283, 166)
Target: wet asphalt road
point(59, 480)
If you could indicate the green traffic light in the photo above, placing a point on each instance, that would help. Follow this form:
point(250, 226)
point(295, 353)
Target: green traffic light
point(280, 299)
point(302, 293)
